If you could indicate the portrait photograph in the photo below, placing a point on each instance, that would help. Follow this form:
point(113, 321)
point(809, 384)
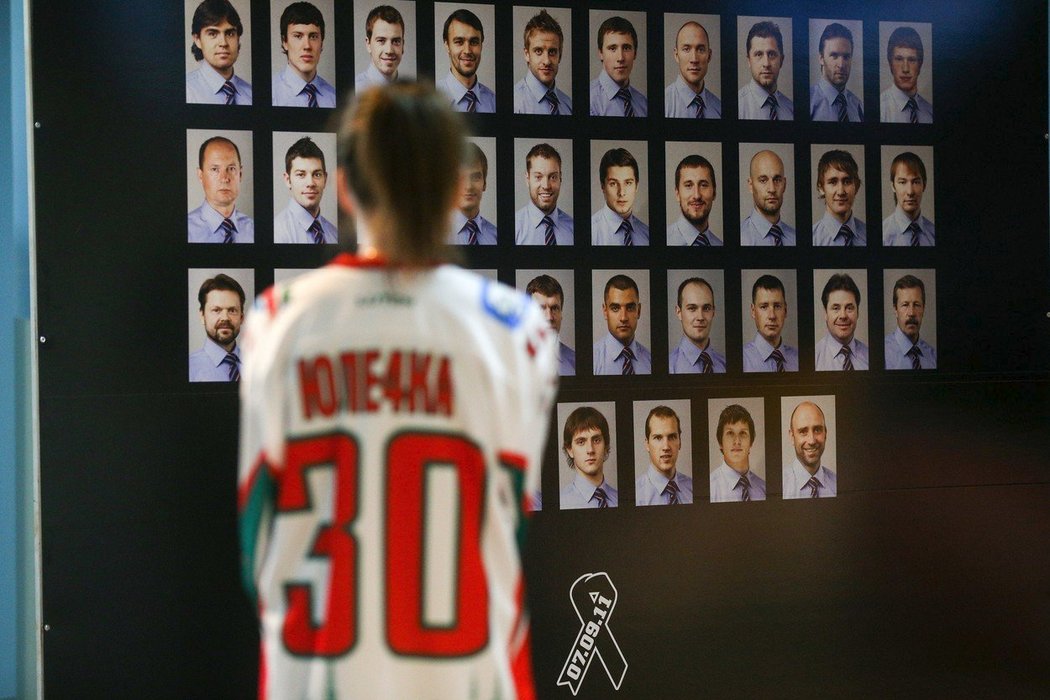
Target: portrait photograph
point(214, 58)
point(906, 72)
point(692, 65)
point(304, 54)
point(542, 60)
point(477, 197)
point(666, 455)
point(844, 322)
point(543, 187)
point(213, 331)
point(838, 70)
point(788, 332)
point(767, 194)
point(597, 457)
point(910, 318)
point(838, 196)
point(304, 187)
point(620, 326)
point(696, 326)
point(220, 186)
point(738, 453)
point(808, 447)
point(620, 199)
point(908, 196)
point(692, 197)
point(463, 64)
point(555, 292)
point(765, 69)
point(390, 54)
point(619, 63)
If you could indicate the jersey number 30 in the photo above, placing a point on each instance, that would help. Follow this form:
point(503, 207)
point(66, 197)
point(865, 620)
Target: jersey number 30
point(407, 459)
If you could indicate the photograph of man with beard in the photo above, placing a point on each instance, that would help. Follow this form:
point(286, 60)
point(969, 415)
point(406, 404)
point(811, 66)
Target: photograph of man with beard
point(692, 204)
point(836, 77)
point(215, 314)
point(543, 177)
point(767, 201)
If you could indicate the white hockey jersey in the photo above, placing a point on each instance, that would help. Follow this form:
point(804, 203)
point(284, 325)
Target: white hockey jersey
point(392, 425)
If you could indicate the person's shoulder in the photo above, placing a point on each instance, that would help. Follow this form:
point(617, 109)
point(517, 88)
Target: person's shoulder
point(685, 479)
point(322, 83)
point(755, 479)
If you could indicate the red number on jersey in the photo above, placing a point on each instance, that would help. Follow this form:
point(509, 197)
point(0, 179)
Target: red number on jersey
point(408, 457)
point(335, 636)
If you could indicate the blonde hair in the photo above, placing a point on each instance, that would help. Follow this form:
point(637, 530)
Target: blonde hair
point(401, 148)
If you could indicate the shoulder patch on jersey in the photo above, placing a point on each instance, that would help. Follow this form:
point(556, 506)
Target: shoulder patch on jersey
point(504, 304)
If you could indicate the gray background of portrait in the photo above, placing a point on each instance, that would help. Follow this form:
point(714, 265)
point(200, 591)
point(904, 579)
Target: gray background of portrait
point(860, 204)
point(282, 274)
point(326, 64)
point(756, 407)
point(640, 71)
point(407, 68)
point(567, 280)
point(243, 66)
point(718, 328)
point(487, 67)
point(521, 188)
point(563, 15)
point(928, 331)
point(925, 30)
point(820, 325)
point(790, 280)
point(282, 141)
point(194, 189)
point(786, 80)
point(640, 409)
point(676, 151)
point(673, 21)
point(196, 277)
point(855, 84)
point(786, 151)
point(565, 472)
point(787, 448)
point(886, 189)
point(640, 151)
point(598, 325)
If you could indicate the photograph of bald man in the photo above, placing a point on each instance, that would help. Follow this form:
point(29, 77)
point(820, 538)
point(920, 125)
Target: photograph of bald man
point(767, 184)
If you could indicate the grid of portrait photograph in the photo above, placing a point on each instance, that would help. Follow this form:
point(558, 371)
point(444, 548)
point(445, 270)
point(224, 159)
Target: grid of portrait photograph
point(674, 193)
